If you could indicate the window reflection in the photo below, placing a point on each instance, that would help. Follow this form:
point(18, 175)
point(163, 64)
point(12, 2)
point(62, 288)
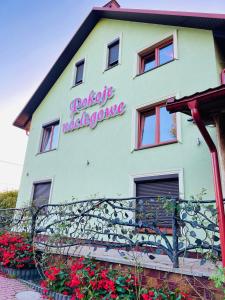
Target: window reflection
point(167, 125)
point(149, 63)
point(148, 132)
point(158, 126)
point(166, 54)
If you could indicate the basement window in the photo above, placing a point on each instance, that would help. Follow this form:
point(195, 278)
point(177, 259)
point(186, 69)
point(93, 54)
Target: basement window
point(155, 189)
point(41, 193)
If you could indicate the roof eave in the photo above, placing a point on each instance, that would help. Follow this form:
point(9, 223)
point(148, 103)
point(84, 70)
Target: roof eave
point(24, 117)
point(211, 96)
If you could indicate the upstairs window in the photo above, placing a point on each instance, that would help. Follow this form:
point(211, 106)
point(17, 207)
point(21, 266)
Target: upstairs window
point(50, 137)
point(113, 54)
point(156, 127)
point(156, 56)
point(79, 72)
point(41, 193)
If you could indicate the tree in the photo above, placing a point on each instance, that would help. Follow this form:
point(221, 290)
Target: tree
point(8, 199)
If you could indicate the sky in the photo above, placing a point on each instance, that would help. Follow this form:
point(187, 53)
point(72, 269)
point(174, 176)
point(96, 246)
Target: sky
point(33, 33)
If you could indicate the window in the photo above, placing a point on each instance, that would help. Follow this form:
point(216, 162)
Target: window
point(113, 54)
point(156, 127)
point(79, 72)
point(41, 193)
point(157, 56)
point(50, 137)
point(157, 188)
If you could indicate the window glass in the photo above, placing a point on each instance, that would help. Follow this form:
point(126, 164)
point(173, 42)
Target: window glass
point(157, 56)
point(55, 136)
point(46, 139)
point(148, 129)
point(50, 137)
point(156, 127)
point(166, 54)
point(113, 55)
point(167, 125)
point(41, 193)
point(79, 72)
point(149, 62)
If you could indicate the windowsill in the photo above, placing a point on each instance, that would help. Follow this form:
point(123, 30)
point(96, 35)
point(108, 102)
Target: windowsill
point(111, 67)
point(156, 145)
point(142, 73)
point(46, 151)
point(76, 84)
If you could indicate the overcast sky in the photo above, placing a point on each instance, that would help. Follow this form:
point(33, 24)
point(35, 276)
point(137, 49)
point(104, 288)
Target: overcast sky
point(32, 35)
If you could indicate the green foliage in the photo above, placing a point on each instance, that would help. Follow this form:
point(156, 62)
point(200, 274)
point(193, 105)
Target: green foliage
point(200, 196)
point(8, 199)
point(219, 278)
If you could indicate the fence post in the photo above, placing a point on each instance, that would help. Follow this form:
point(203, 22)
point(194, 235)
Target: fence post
point(175, 231)
point(33, 223)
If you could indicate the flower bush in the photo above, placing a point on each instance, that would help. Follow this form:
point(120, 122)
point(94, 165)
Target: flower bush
point(16, 251)
point(83, 279)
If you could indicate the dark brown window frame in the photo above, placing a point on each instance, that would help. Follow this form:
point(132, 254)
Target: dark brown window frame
point(77, 65)
point(110, 45)
point(142, 114)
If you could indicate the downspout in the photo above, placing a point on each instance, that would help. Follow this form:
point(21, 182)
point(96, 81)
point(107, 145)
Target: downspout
point(216, 173)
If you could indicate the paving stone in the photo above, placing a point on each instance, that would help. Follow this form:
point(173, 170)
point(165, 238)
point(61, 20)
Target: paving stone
point(28, 295)
point(10, 287)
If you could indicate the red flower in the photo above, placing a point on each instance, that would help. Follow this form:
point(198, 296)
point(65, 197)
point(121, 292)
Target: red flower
point(65, 293)
point(43, 284)
point(54, 270)
point(78, 294)
point(12, 250)
point(104, 274)
point(91, 273)
point(75, 281)
point(185, 296)
point(93, 284)
point(78, 265)
point(148, 296)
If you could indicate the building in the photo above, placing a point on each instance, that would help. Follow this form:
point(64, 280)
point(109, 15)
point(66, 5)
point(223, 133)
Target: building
point(98, 125)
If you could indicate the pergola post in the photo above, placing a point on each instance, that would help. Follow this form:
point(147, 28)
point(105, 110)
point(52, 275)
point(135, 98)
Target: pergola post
point(216, 173)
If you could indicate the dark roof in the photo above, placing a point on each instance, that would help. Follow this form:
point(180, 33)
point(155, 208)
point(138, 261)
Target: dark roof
point(214, 22)
point(211, 102)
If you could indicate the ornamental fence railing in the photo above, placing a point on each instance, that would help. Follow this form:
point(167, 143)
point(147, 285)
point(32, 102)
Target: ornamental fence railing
point(153, 225)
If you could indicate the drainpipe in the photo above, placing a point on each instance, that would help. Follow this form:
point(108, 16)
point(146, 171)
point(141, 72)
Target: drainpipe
point(216, 173)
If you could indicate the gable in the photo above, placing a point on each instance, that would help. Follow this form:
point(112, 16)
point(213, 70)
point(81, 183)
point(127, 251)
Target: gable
point(214, 22)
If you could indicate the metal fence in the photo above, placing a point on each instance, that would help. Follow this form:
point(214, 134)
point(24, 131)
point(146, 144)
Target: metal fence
point(191, 227)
